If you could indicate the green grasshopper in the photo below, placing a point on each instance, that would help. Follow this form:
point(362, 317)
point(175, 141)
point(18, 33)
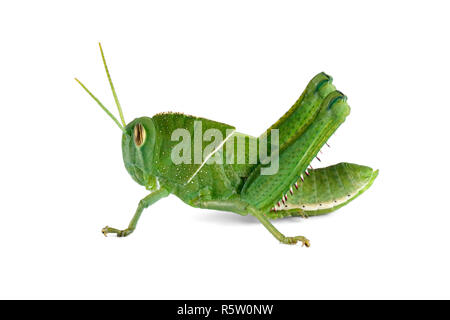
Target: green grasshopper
point(294, 189)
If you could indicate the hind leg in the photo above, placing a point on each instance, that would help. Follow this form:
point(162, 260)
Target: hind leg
point(294, 122)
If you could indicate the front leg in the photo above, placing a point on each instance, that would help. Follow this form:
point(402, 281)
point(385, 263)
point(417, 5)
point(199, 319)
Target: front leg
point(144, 203)
point(277, 234)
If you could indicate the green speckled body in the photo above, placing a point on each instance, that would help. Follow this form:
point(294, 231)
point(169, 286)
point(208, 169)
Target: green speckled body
point(236, 187)
point(193, 183)
point(216, 170)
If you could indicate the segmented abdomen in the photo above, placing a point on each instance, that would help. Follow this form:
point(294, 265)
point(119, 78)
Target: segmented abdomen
point(328, 188)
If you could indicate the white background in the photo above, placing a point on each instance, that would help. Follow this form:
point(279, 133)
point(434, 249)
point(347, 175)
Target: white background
point(243, 63)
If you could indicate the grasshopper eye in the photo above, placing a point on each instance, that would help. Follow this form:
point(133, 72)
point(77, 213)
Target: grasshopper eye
point(139, 135)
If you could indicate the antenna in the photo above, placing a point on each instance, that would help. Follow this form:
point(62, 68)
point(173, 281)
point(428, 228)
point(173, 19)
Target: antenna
point(112, 86)
point(102, 106)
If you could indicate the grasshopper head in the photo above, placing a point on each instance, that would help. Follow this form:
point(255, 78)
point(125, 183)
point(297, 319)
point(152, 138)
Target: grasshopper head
point(138, 143)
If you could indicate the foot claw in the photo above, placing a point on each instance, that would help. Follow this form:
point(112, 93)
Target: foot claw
point(120, 233)
point(293, 240)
